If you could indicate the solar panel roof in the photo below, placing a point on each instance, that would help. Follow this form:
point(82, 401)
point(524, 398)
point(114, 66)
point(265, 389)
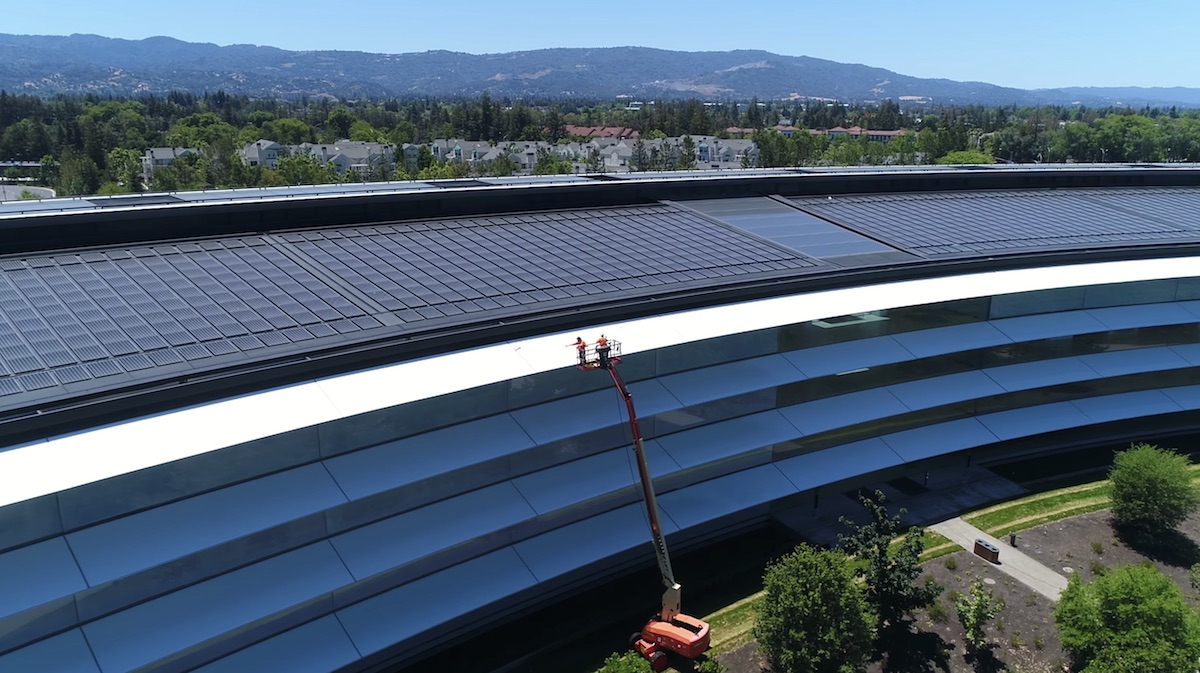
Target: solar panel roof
point(100, 317)
point(964, 223)
point(79, 321)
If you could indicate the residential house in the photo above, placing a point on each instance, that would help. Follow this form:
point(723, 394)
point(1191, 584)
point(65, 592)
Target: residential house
point(364, 158)
point(160, 157)
point(263, 153)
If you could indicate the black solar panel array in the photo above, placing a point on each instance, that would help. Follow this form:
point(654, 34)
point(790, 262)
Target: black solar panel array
point(438, 269)
point(974, 222)
point(73, 320)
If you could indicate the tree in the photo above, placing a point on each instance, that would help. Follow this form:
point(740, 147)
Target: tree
point(639, 159)
point(966, 157)
point(1131, 620)
point(687, 153)
point(975, 610)
point(1152, 490)
point(124, 167)
point(302, 169)
point(814, 617)
point(889, 574)
point(338, 123)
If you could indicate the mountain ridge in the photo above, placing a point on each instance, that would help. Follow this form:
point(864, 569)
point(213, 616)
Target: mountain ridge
point(83, 64)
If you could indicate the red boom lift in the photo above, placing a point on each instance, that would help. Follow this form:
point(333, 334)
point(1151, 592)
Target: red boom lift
point(670, 630)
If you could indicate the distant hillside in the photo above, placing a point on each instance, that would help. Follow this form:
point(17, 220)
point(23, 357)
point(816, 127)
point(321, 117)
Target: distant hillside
point(92, 64)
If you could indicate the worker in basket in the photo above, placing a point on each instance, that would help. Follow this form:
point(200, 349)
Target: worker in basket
point(602, 349)
point(581, 347)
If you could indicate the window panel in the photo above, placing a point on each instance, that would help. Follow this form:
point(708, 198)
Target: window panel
point(179, 620)
point(146, 539)
point(951, 339)
point(1030, 421)
point(729, 438)
point(723, 349)
point(1049, 325)
point(405, 461)
point(1139, 292)
point(1037, 301)
point(1187, 397)
point(1132, 361)
point(565, 418)
point(574, 546)
point(819, 468)
point(842, 411)
point(1041, 373)
point(576, 481)
point(65, 653)
point(319, 646)
point(1146, 315)
point(36, 574)
point(389, 618)
point(1126, 405)
point(940, 439)
point(941, 390)
point(835, 358)
point(711, 383)
point(400, 539)
point(730, 494)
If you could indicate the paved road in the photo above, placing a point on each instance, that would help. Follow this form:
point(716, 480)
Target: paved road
point(13, 192)
point(1013, 561)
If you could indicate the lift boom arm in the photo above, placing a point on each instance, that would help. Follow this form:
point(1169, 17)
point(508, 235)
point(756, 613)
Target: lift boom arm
point(671, 597)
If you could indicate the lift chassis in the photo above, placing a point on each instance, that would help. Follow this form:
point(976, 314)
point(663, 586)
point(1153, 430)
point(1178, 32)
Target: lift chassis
point(670, 630)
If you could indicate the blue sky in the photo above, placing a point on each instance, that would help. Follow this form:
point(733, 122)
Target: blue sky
point(1021, 43)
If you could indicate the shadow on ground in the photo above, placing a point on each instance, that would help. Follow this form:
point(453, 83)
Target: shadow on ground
point(909, 651)
point(1171, 548)
point(984, 660)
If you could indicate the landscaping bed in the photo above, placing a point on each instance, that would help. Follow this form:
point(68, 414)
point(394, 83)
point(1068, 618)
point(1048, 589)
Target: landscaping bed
point(1023, 635)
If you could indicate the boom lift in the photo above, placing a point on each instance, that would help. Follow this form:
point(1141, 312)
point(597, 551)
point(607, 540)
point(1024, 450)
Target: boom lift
point(670, 630)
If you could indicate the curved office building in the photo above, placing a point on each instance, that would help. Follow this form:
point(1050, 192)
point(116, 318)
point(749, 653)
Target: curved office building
point(336, 431)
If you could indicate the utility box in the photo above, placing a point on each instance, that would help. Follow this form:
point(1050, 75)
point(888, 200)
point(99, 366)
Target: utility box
point(987, 551)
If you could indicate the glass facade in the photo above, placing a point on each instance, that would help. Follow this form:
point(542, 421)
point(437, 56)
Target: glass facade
point(530, 480)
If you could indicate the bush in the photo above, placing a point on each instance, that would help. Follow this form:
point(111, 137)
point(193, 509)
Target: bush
point(625, 662)
point(814, 617)
point(709, 665)
point(1099, 568)
point(1194, 576)
point(1152, 490)
point(950, 563)
point(1098, 549)
point(938, 613)
point(1133, 614)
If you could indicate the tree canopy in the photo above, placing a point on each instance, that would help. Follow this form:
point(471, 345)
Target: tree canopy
point(814, 618)
point(1152, 489)
point(1131, 620)
point(890, 572)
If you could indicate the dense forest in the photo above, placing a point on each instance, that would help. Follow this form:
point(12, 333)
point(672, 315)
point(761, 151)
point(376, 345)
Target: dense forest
point(90, 145)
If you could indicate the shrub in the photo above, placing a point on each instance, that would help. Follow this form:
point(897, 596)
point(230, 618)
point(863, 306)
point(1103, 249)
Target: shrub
point(1131, 614)
point(938, 613)
point(1099, 568)
point(814, 616)
point(1152, 490)
point(625, 662)
point(975, 611)
point(1098, 549)
point(950, 563)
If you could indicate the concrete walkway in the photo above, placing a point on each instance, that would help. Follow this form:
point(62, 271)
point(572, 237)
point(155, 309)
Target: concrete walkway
point(1013, 561)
